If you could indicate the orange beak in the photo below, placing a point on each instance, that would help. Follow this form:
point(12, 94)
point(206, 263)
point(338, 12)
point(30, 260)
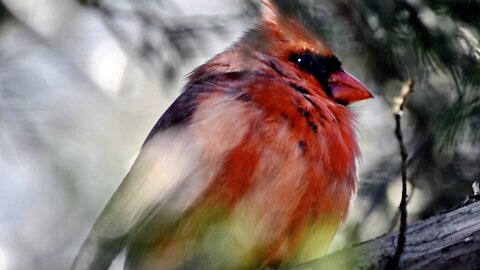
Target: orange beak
point(346, 89)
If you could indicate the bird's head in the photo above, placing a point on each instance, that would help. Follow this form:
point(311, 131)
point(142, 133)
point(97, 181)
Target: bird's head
point(286, 39)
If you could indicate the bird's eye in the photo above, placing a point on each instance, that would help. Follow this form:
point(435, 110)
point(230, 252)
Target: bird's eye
point(318, 66)
point(305, 61)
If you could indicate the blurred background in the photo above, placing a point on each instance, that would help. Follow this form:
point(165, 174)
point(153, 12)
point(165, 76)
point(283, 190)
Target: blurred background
point(82, 82)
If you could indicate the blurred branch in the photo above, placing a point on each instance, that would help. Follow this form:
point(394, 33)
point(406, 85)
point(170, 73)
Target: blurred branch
point(399, 105)
point(160, 41)
point(6, 14)
point(449, 240)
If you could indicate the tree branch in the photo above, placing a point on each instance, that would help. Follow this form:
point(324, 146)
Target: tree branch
point(449, 240)
point(399, 106)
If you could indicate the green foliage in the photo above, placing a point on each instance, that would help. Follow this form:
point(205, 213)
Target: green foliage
point(424, 39)
point(461, 118)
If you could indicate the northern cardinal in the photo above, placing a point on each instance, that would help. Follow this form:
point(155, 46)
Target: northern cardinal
point(252, 166)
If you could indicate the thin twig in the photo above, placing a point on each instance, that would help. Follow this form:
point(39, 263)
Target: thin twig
point(398, 108)
point(475, 197)
point(396, 218)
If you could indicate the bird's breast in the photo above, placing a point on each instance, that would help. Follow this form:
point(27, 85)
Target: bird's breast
point(280, 183)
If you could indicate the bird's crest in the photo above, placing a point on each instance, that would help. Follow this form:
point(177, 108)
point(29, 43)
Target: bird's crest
point(269, 11)
point(287, 32)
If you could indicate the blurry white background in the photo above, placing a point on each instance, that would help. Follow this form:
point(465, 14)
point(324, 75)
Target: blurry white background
point(74, 110)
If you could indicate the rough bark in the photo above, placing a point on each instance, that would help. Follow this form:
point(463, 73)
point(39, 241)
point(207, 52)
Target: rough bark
point(449, 240)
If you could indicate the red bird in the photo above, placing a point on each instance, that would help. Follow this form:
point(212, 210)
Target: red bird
point(252, 166)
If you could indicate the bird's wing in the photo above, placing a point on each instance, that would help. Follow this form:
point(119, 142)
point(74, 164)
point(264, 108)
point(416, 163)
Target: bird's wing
point(179, 158)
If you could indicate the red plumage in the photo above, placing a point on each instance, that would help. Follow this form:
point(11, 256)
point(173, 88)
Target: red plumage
point(252, 166)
